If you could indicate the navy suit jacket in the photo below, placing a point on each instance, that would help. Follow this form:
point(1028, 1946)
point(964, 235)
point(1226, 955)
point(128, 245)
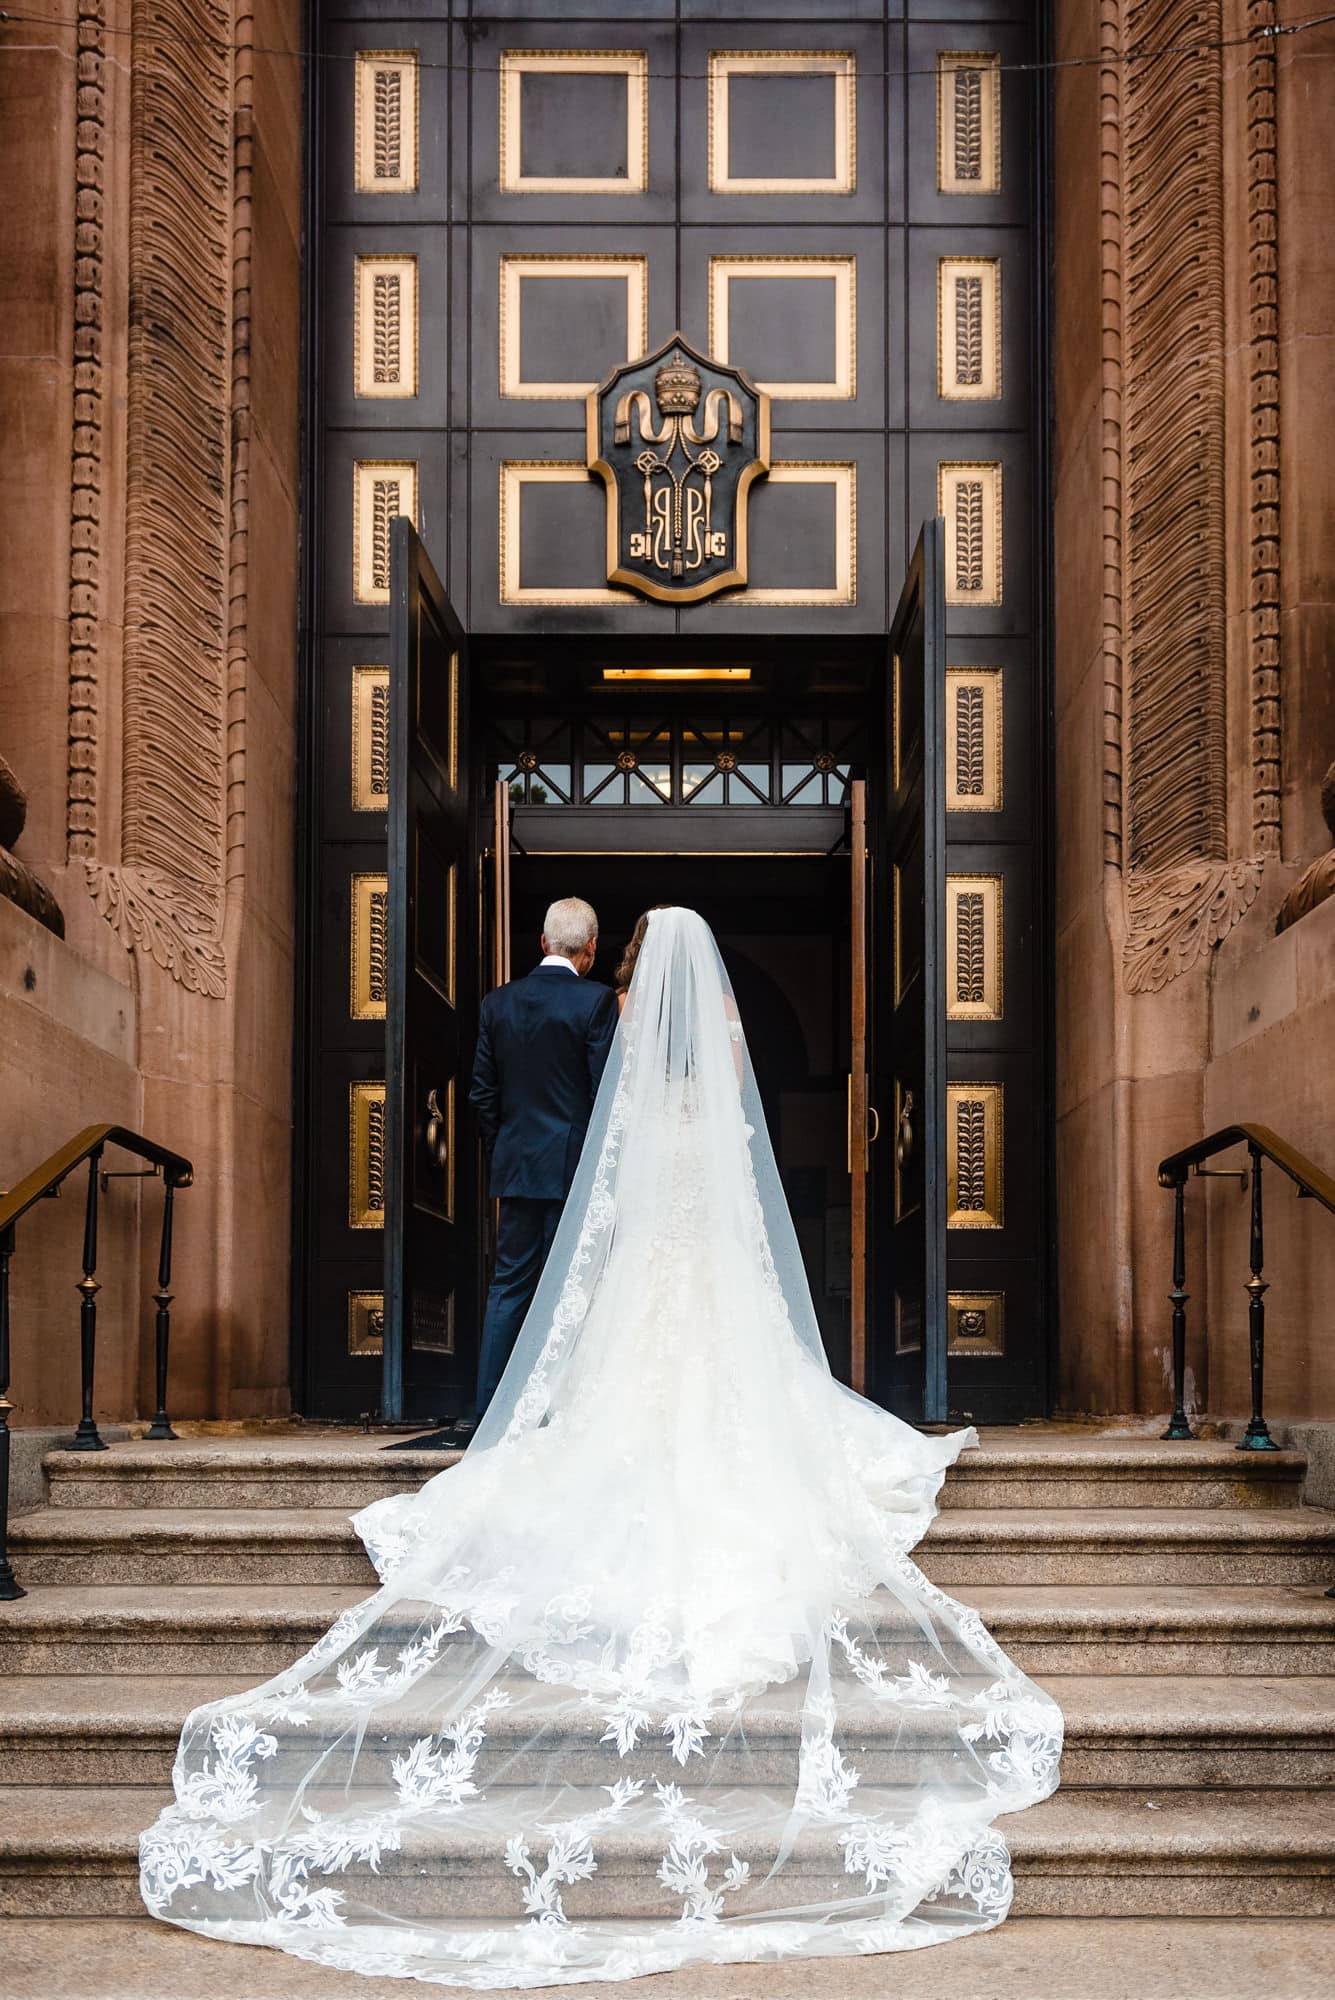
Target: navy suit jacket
point(541, 1049)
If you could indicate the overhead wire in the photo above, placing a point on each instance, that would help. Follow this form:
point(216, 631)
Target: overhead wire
point(1105, 58)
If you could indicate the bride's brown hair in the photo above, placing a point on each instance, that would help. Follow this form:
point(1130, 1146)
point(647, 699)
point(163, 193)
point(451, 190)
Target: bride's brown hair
point(621, 978)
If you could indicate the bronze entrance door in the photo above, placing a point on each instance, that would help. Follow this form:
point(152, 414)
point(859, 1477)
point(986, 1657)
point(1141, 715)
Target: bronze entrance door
point(505, 209)
point(430, 1181)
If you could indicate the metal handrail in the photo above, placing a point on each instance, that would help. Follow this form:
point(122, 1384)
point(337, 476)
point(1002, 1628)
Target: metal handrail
point(174, 1171)
point(1174, 1172)
point(1309, 1177)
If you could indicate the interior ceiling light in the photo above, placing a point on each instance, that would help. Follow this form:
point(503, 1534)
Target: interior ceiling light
point(676, 673)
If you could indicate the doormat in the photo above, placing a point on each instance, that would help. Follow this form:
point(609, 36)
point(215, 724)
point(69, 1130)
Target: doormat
point(454, 1437)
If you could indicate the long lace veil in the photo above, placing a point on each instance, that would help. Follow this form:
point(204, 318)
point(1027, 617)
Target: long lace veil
point(680, 1054)
point(651, 1677)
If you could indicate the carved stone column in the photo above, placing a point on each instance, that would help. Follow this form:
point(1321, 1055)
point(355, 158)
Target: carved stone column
point(1169, 641)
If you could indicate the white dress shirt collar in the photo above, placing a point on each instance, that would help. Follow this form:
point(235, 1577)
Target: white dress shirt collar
point(554, 958)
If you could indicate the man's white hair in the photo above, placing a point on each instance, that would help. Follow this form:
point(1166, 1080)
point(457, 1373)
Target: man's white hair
point(569, 925)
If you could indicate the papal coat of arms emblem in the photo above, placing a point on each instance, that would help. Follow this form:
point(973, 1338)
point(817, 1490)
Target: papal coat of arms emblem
point(677, 440)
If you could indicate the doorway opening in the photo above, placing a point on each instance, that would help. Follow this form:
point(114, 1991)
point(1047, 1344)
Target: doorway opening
point(782, 924)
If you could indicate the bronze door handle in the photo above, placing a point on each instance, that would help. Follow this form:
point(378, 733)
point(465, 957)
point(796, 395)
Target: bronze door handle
point(904, 1134)
point(437, 1135)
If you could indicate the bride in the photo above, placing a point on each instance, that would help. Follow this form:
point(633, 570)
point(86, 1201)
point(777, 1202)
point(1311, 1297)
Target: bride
point(650, 1678)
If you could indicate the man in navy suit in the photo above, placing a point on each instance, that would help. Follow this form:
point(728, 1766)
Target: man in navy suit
point(541, 1049)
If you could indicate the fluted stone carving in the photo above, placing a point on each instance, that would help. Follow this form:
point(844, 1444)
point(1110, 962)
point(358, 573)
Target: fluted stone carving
point(1166, 767)
point(183, 698)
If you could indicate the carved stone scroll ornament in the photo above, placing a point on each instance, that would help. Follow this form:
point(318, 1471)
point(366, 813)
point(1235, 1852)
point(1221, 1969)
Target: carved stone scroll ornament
point(1177, 915)
point(1317, 883)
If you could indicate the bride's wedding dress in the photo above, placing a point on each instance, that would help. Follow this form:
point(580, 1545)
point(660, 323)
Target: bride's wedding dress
point(650, 1678)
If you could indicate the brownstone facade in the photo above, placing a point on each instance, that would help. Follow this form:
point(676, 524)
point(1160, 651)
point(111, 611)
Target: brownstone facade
point(150, 394)
point(1193, 356)
point(147, 668)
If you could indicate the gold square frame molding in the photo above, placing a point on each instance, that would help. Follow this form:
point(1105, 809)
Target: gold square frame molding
point(518, 265)
point(842, 385)
point(516, 64)
point(841, 476)
point(515, 475)
point(841, 64)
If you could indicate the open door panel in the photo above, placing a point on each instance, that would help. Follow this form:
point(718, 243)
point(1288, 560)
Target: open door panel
point(909, 1194)
point(430, 1194)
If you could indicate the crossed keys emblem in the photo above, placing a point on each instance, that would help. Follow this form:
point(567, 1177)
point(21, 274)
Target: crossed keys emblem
point(677, 444)
point(679, 531)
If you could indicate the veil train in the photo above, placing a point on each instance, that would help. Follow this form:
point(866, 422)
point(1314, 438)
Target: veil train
point(651, 1678)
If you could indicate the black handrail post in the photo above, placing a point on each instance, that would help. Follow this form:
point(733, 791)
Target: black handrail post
point(86, 1437)
point(1257, 1437)
point(161, 1425)
point(10, 1587)
point(1179, 1427)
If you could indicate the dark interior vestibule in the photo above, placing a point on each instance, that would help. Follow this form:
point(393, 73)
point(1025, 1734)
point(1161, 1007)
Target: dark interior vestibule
point(721, 782)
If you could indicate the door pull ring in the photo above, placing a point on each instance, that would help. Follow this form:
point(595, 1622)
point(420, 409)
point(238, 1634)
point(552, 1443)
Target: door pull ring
point(875, 1132)
point(904, 1135)
point(437, 1143)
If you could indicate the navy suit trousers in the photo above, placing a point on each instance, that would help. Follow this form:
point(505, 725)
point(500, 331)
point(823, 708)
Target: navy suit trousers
point(522, 1243)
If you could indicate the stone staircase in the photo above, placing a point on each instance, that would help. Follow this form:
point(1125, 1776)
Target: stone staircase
point(1170, 1597)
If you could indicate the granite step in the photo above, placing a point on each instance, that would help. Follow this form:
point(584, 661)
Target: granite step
point(73, 1854)
point(1029, 1958)
point(349, 1472)
point(258, 1629)
point(1121, 1730)
point(96, 1546)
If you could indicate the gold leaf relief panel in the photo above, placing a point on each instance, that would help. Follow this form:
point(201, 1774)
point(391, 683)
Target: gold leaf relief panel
point(974, 947)
point(381, 489)
point(976, 1323)
point(385, 122)
point(366, 1156)
point(366, 1323)
point(385, 327)
point(968, 323)
point(974, 1142)
point(973, 739)
point(969, 496)
point(370, 739)
point(368, 947)
point(968, 122)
